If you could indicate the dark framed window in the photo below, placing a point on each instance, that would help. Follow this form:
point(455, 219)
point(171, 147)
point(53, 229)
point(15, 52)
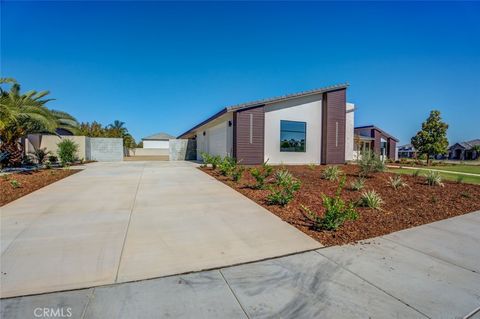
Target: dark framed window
point(293, 136)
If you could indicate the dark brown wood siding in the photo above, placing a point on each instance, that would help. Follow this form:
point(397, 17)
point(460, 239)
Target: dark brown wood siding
point(249, 135)
point(392, 145)
point(333, 127)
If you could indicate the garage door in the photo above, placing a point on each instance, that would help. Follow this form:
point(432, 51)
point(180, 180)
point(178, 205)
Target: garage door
point(217, 140)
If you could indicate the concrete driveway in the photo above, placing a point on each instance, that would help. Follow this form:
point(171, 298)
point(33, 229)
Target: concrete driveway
point(118, 222)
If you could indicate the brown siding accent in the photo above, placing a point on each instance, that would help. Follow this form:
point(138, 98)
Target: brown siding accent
point(333, 112)
point(376, 143)
point(392, 145)
point(248, 151)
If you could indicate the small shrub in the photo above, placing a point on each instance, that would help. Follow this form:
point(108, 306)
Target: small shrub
point(53, 159)
point(396, 182)
point(48, 165)
point(40, 154)
point(206, 158)
point(460, 179)
point(433, 199)
point(337, 211)
point(332, 173)
point(261, 174)
point(371, 199)
point(15, 183)
point(285, 187)
point(227, 165)
point(416, 173)
point(5, 177)
point(67, 150)
point(215, 161)
point(357, 184)
point(369, 163)
point(238, 173)
point(433, 178)
point(312, 166)
point(465, 194)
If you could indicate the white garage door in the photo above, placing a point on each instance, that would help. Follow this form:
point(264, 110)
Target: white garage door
point(217, 140)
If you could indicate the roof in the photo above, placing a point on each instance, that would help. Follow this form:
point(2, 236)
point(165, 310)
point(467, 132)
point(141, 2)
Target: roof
point(158, 136)
point(378, 129)
point(468, 145)
point(271, 100)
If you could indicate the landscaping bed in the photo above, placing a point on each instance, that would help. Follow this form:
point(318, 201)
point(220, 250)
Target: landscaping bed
point(406, 207)
point(16, 185)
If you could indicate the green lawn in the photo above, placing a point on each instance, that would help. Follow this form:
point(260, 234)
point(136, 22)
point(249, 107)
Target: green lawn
point(446, 176)
point(475, 169)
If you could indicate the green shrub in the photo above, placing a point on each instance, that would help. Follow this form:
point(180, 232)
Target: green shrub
point(215, 161)
point(285, 187)
point(40, 154)
point(332, 173)
point(52, 159)
point(357, 184)
point(238, 173)
point(396, 182)
point(369, 163)
point(15, 183)
point(312, 166)
point(48, 165)
point(371, 199)
point(433, 178)
point(261, 174)
point(227, 165)
point(67, 150)
point(206, 159)
point(337, 211)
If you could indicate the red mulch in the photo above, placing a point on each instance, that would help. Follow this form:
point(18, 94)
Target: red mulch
point(29, 182)
point(407, 207)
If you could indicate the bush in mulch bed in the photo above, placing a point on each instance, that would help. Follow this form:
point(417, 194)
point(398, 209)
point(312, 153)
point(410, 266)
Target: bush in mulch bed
point(16, 185)
point(402, 208)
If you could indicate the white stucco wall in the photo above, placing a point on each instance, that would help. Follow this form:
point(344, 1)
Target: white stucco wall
point(307, 109)
point(349, 128)
point(218, 139)
point(156, 144)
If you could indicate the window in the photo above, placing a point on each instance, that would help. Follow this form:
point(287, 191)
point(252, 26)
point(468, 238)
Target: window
point(293, 136)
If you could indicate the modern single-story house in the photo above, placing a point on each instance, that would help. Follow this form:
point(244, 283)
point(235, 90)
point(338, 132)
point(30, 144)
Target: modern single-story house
point(314, 126)
point(407, 151)
point(159, 141)
point(376, 139)
point(464, 150)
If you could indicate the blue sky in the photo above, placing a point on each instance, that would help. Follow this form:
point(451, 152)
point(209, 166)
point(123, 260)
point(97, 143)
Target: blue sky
point(166, 66)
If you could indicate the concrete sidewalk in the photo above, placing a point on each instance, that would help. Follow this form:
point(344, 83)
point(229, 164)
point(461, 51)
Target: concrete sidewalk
point(118, 222)
point(429, 271)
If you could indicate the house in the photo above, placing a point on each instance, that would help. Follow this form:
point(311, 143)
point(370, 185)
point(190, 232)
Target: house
point(376, 139)
point(158, 141)
point(407, 151)
point(464, 150)
point(308, 127)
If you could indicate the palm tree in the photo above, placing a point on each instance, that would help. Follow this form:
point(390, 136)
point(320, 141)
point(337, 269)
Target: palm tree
point(23, 114)
point(117, 129)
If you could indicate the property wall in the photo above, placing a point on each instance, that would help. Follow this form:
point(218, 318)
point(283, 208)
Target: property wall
point(182, 149)
point(50, 143)
point(349, 128)
point(306, 109)
point(156, 144)
point(104, 149)
point(148, 151)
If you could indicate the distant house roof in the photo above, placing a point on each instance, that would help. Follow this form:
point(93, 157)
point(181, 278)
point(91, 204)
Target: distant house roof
point(158, 137)
point(246, 105)
point(467, 145)
point(378, 129)
point(406, 147)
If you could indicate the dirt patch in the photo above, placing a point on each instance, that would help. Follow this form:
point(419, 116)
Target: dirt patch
point(13, 186)
point(407, 207)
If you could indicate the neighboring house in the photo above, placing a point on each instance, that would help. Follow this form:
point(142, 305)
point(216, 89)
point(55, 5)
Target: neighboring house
point(160, 140)
point(464, 150)
point(309, 127)
point(373, 138)
point(407, 151)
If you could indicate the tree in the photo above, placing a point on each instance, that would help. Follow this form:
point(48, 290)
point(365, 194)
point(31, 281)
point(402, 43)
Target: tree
point(432, 138)
point(93, 129)
point(117, 129)
point(23, 114)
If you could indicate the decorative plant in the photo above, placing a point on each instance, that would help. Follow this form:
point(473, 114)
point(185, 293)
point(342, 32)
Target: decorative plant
point(369, 163)
point(312, 166)
point(215, 161)
point(285, 187)
point(332, 173)
point(261, 174)
point(357, 184)
point(207, 159)
point(237, 173)
point(371, 199)
point(40, 154)
point(396, 182)
point(433, 178)
point(67, 150)
point(337, 211)
point(227, 165)
point(15, 183)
